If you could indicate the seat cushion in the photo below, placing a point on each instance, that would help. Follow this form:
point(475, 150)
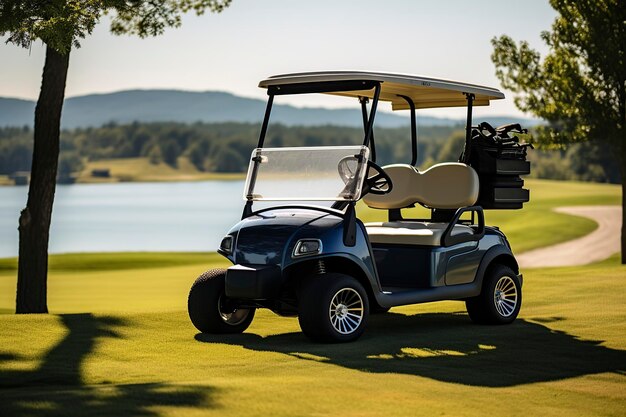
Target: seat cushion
point(411, 232)
point(448, 185)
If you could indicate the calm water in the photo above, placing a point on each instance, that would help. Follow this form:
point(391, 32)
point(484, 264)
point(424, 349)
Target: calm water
point(182, 216)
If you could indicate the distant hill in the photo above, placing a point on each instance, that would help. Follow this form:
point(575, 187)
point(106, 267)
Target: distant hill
point(16, 112)
point(210, 106)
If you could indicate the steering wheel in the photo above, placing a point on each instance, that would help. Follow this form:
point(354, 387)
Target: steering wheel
point(379, 183)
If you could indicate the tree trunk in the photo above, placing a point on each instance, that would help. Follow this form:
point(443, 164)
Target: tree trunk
point(34, 223)
point(623, 174)
point(621, 137)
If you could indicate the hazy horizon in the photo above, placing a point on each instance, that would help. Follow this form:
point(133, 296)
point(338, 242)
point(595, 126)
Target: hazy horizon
point(402, 113)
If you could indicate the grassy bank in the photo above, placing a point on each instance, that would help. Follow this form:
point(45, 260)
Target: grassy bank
point(120, 343)
point(5, 180)
point(141, 170)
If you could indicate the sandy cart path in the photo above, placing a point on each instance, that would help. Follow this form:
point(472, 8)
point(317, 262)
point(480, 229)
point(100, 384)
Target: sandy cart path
point(596, 246)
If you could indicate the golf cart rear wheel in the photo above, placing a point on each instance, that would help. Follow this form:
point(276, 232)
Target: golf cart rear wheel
point(500, 299)
point(333, 308)
point(209, 308)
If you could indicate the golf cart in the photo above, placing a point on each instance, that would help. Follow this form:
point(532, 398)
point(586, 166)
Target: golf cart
point(321, 263)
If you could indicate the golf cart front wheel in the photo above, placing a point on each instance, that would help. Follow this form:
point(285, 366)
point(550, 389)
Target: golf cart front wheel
point(333, 308)
point(211, 311)
point(500, 299)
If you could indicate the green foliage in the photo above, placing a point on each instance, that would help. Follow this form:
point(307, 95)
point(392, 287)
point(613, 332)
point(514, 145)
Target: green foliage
point(220, 147)
point(151, 18)
point(155, 155)
point(197, 153)
point(579, 87)
point(580, 161)
point(228, 160)
point(69, 162)
point(170, 151)
point(61, 24)
point(16, 150)
point(453, 147)
point(226, 147)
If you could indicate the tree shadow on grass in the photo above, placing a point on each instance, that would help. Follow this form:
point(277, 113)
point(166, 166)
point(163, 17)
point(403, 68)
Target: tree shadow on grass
point(56, 387)
point(447, 347)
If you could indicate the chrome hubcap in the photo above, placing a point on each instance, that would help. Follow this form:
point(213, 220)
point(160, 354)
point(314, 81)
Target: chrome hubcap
point(231, 316)
point(346, 310)
point(505, 296)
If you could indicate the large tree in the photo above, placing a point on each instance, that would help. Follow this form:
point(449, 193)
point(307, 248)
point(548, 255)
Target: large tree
point(579, 87)
point(60, 25)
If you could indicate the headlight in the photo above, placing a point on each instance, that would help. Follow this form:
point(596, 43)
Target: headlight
point(307, 247)
point(227, 244)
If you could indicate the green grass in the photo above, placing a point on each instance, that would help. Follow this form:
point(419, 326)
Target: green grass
point(136, 281)
point(536, 225)
point(120, 343)
point(80, 262)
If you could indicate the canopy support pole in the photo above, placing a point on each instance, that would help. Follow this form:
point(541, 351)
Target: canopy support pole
point(413, 129)
point(369, 132)
point(364, 101)
point(266, 120)
point(468, 128)
point(247, 209)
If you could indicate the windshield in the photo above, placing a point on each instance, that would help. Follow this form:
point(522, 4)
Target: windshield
point(324, 173)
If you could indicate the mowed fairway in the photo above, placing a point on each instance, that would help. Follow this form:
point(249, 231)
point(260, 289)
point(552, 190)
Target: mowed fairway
point(120, 343)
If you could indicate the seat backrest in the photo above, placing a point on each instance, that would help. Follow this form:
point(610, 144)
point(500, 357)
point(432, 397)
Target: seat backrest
point(448, 185)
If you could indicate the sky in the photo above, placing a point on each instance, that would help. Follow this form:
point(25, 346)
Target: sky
point(253, 39)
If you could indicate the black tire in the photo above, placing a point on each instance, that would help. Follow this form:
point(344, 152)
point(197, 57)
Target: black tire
point(343, 323)
point(208, 306)
point(500, 299)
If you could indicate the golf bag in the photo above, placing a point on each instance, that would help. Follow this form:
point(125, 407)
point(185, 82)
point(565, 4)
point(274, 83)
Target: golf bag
point(499, 158)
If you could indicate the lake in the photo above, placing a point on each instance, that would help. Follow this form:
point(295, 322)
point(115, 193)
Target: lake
point(175, 216)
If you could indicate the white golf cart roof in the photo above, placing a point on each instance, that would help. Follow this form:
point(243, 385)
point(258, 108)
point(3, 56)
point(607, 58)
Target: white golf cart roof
point(425, 92)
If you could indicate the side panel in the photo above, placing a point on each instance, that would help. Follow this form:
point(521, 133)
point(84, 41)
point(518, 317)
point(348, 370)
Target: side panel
point(461, 266)
point(403, 265)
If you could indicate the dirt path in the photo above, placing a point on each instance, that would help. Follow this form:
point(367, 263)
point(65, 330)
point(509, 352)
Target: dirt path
point(596, 246)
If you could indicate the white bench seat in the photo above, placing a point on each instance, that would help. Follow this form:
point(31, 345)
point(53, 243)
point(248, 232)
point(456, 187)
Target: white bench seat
point(411, 232)
point(443, 186)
